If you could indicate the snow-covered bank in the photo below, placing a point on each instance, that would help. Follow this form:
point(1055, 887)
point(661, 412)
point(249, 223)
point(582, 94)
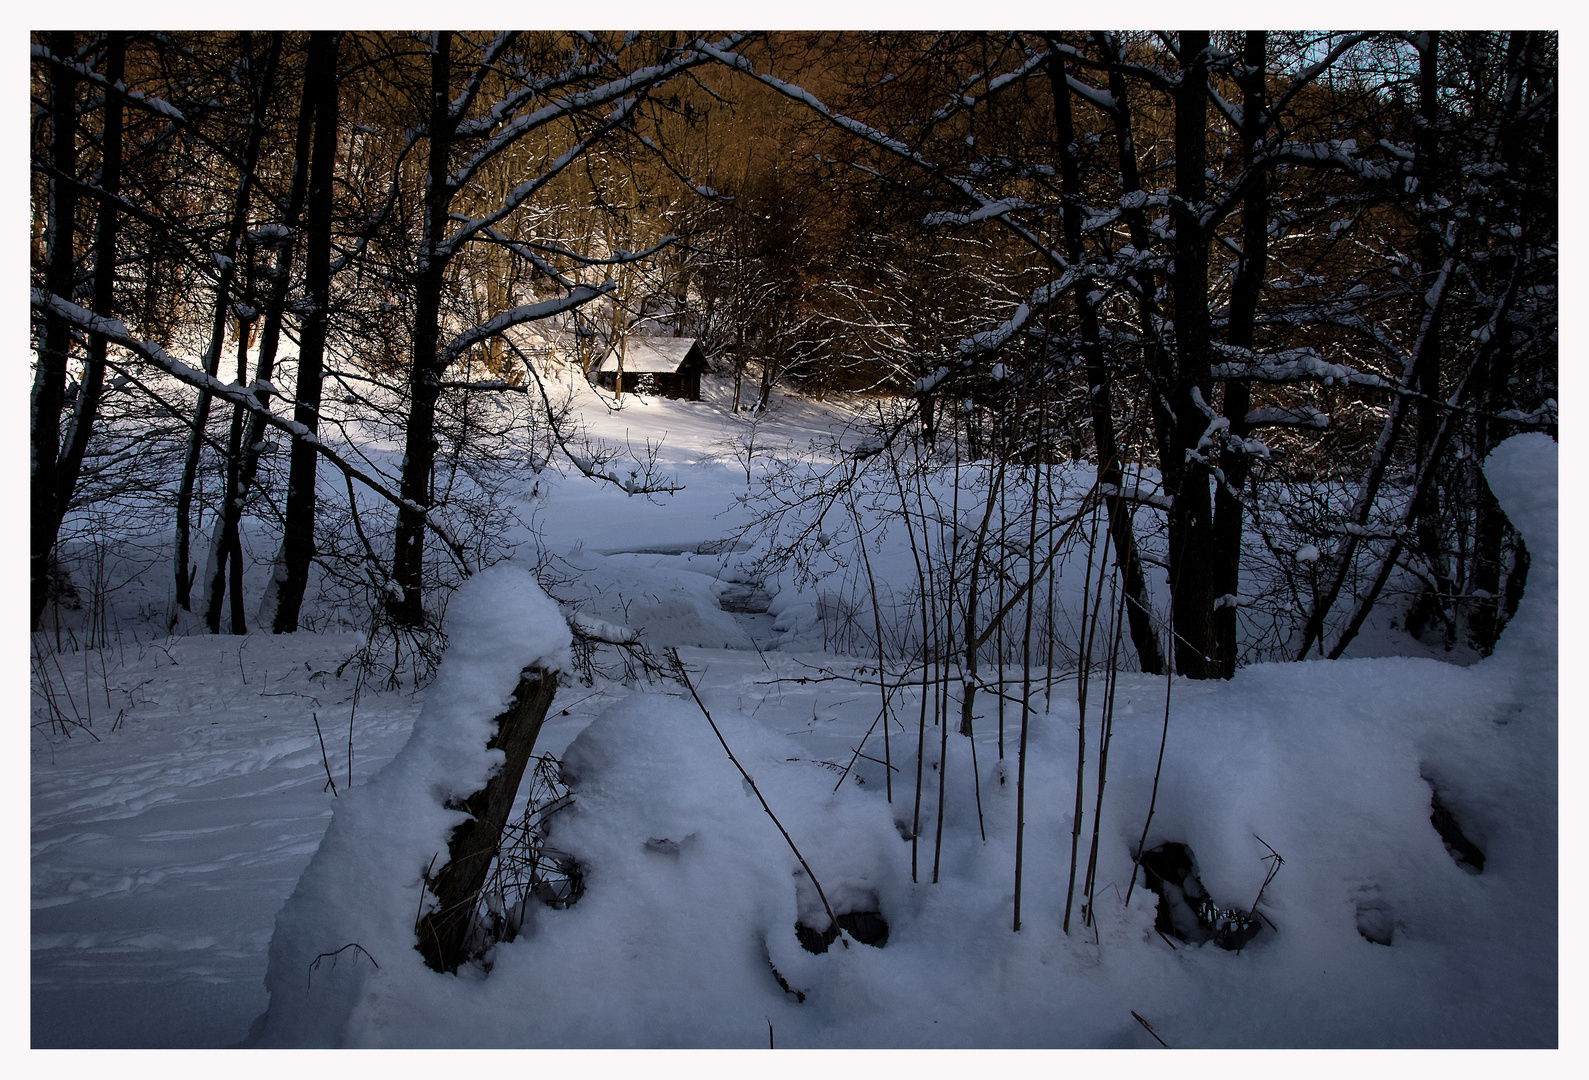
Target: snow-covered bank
point(685, 935)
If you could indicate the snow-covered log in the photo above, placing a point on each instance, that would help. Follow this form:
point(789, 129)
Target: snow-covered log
point(348, 930)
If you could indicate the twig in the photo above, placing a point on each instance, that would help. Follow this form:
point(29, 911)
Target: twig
point(338, 952)
point(1164, 735)
point(323, 759)
point(976, 775)
point(358, 684)
point(420, 914)
point(684, 677)
point(1274, 868)
point(845, 775)
point(1089, 634)
point(1105, 734)
point(1150, 1030)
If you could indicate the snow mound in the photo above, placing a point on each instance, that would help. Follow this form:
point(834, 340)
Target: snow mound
point(346, 935)
point(664, 600)
point(1523, 474)
point(1372, 778)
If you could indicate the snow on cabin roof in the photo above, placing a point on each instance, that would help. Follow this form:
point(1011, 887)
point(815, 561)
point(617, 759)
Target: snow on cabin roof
point(649, 356)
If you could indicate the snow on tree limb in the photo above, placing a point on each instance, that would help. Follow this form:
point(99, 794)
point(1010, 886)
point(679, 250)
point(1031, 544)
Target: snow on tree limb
point(1289, 365)
point(588, 626)
point(990, 340)
point(982, 213)
point(1136, 493)
point(1297, 416)
point(964, 100)
point(114, 330)
point(158, 106)
point(519, 195)
point(877, 138)
point(607, 93)
point(516, 316)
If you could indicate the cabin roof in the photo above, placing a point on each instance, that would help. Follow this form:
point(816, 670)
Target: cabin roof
point(650, 356)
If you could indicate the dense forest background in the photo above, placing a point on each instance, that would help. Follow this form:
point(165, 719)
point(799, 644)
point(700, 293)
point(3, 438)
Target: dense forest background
point(1284, 291)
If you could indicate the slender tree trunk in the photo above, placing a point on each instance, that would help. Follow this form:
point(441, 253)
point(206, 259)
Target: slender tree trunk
point(226, 561)
point(1427, 477)
point(86, 407)
point(297, 544)
point(1368, 489)
point(1426, 515)
point(1485, 613)
point(1099, 384)
point(1156, 358)
point(223, 306)
point(770, 362)
point(49, 379)
point(1235, 463)
point(424, 383)
point(1187, 471)
point(270, 335)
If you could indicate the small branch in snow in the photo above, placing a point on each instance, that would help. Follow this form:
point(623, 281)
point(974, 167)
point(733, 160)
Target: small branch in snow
point(595, 629)
point(336, 953)
point(684, 676)
point(1149, 1027)
point(332, 784)
point(1275, 863)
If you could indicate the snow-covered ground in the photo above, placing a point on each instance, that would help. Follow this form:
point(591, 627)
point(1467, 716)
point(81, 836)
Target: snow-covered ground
point(166, 840)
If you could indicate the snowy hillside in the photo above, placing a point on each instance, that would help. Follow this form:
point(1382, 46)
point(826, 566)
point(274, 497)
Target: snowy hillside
point(172, 825)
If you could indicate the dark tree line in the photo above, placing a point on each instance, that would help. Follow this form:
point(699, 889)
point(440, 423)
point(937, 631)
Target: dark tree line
point(1285, 291)
point(1259, 263)
point(328, 192)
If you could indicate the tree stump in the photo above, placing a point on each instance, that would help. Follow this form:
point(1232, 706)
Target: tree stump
point(443, 931)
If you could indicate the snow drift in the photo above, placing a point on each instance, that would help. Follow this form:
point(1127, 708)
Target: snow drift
point(686, 933)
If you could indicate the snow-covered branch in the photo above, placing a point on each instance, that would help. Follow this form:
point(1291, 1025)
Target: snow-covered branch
point(115, 331)
point(158, 106)
point(1288, 366)
point(516, 316)
point(1296, 416)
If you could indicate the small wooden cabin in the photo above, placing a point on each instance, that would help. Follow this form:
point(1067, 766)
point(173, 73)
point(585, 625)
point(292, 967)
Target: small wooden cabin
point(666, 366)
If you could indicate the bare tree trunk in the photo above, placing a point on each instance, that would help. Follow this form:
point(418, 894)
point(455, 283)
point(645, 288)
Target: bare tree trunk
point(739, 364)
point(297, 543)
point(424, 380)
point(1099, 385)
point(1368, 489)
point(1187, 471)
point(1234, 461)
point(620, 338)
point(227, 550)
point(1156, 358)
point(770, 362)
point(49, 380)
point(86, 408)
point(223, 304)
point(1491, 529)
point(1428, 472)
point(270, 335)
point(1426, 515)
